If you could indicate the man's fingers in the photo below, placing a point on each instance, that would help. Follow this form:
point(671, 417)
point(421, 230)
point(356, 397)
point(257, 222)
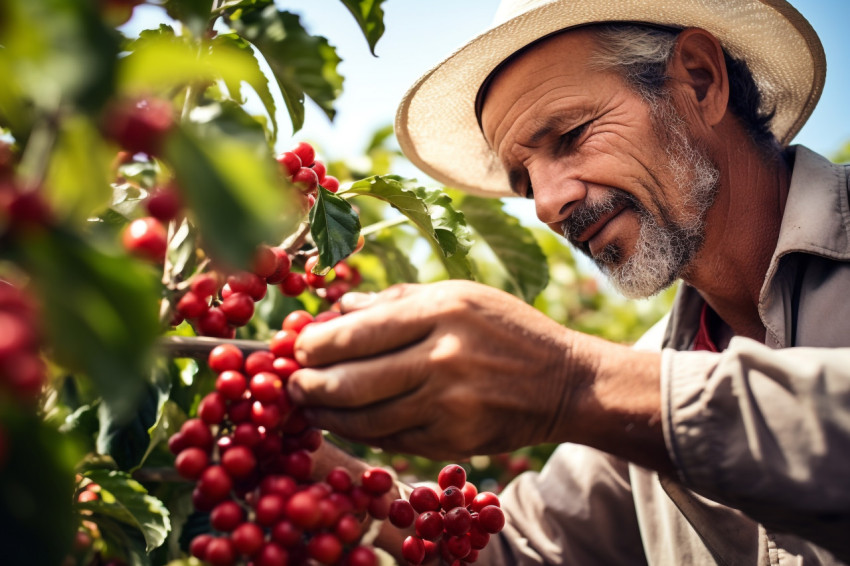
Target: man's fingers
point(357, 383)
point(370, 424)
point(386, 325)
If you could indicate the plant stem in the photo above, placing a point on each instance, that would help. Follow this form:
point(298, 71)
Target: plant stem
point(378, 226)
point(199, 347)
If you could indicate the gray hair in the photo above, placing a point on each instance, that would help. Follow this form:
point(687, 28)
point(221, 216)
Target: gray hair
point(641, 53)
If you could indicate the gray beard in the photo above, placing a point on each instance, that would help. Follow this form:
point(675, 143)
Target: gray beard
point(663, 249)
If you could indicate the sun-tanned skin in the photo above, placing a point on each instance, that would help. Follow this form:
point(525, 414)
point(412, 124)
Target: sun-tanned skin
point(455, 368)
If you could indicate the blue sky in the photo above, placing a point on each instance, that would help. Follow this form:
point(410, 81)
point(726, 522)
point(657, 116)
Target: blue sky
point(420, 33)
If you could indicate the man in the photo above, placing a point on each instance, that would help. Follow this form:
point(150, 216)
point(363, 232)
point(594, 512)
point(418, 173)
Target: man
point(657, 146)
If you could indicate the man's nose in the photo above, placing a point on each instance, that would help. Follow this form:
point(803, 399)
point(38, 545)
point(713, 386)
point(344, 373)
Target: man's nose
point(556, 192)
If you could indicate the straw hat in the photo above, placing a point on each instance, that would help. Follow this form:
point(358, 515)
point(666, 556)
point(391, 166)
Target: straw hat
point(436, 123)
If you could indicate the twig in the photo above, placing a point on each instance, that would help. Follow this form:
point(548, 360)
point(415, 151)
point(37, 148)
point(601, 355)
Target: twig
point(199, 347)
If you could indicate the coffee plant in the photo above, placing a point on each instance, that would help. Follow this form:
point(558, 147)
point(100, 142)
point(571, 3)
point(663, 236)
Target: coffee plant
point(162, 245)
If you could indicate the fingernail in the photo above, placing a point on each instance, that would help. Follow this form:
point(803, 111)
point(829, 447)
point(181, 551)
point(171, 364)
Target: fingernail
point(354, 300)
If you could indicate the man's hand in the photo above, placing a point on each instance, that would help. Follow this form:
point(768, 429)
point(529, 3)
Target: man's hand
point(443, 370)
point(453, 369)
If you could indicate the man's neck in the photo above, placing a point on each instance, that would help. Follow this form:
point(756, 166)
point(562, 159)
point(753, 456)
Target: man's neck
point(742, 231)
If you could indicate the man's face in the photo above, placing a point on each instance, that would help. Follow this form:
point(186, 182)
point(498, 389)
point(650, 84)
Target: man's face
point(623, 182)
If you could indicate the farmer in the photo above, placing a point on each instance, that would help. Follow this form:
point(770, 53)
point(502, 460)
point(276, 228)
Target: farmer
point(653, 135)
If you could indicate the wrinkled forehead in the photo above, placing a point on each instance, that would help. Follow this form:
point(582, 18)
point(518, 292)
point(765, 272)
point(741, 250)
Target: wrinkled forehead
point(574, 44)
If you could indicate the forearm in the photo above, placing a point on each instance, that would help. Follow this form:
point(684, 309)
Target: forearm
point(616, 404)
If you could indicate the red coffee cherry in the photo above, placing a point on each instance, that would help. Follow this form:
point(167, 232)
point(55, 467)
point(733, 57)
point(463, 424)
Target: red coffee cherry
point(282, 344)
point(204, 285)
point(293, 284)
point(320, 170)
point(259, 361)
point(197, 433)
point(140, 126)
point(452, 497)
point(459, 546)
point(220, 552)
point(215, 483)
point(458, 521)
point(191, 305)
point(491, 519)
point(484, 499)
point(191, 463)
point(413, 550)
point(377, 481)
point(469, 492)
point(306, 180)
point(451, 475)
point(297, 320)
point(226, 516)
point(429, 525)
point(146, 238)
point(231, 384)
point(401, 513)
point(239, 461)
point(198, 546)
point(225, 357)
point(284, 264)
point(325, 548)
point(266, 387)
point(270, 508)
point(238, 308)
point(290, 163)
point(286, 534)
point(339, 479)
point(423, 499)
point(164, 204)
point(212, 408)
point(331, 183)
point(247, 538)
point(303, 510)
point(306, 153)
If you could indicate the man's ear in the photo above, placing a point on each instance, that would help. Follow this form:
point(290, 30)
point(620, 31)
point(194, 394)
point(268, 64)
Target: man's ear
point(698, 66)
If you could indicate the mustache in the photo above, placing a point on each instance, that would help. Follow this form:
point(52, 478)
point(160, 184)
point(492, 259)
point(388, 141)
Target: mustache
point(588, 213)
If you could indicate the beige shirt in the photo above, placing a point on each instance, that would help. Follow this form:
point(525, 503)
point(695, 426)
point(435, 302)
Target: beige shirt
point(759, 433)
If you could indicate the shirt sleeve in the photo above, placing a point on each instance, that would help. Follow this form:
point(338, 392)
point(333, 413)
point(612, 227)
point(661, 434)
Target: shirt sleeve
point(767, 432)
point(577, 510)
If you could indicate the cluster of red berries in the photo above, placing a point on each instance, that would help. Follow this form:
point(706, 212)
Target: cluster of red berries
point(250, 453)
point(216, 305)
point(306, 172)
point(22, 371)
point(455, 523)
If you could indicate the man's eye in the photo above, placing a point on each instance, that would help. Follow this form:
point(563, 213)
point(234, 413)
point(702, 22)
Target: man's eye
point(567, 140)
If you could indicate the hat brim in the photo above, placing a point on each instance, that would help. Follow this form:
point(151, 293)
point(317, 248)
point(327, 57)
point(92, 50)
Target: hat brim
point(437, 127)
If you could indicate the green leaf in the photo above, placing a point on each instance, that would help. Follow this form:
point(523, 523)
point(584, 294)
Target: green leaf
point(335, 228)
point(396, 263)
point(126, 438)
point(58, 52)
point(431, 212)
point(100, 312)
point(124, 499)
point(370, 17)
point(227, 57)
point(252, 74)
point(77, 182)
point(230, 180)
point(513, 245)
point(195, 14)
point(301, 63)
point(36, 489)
